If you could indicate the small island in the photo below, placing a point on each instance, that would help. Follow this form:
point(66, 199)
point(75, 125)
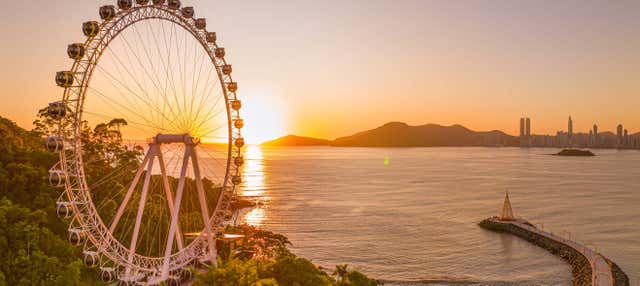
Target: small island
point(575, 152)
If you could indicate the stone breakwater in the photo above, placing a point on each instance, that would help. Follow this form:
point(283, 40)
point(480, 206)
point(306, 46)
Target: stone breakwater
point(620, 278)
point(581, 268)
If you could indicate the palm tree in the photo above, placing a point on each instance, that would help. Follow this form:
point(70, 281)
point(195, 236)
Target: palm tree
point(341, 272)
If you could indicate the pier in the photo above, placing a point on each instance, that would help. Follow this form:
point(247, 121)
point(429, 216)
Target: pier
point(589, 266)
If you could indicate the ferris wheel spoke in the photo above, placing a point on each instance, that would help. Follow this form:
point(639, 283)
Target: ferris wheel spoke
point(206, 83)
point(119, 67)
point(207, 119)
point(201, 105)
point(165, 70)
point(156, 80)
point(144, 91)
point(194, 82)
point(170, 75)
point(129, 90)
point(136, 125)
point(154, 77)
point(181, 65)
point(147, 73)
point(117, 106)
point(127, 105)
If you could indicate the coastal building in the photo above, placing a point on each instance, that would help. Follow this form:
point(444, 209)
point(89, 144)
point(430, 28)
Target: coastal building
point(528, 128)
point(521, 128)
point(506, 214)
point(625, 143)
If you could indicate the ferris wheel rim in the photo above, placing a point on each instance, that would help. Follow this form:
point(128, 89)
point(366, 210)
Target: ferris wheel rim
point(84, 209)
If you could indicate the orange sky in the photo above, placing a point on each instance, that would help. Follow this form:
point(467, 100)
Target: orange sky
point(331, 68)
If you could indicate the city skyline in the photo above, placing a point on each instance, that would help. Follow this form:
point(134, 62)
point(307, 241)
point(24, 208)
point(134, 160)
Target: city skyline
point(620, 138)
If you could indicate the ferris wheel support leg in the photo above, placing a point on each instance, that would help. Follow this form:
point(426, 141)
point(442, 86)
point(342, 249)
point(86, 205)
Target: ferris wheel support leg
point(169, 194)
point(174, 216)
point(127, 196)
point(204, 208)
point(143, 200)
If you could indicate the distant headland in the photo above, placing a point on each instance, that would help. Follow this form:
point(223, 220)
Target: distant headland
point(399, 134)
point(293, 140)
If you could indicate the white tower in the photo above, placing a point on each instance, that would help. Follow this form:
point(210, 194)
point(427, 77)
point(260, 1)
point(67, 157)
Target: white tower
point(507, 212)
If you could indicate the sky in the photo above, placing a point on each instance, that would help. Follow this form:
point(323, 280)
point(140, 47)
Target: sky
point(331, 68)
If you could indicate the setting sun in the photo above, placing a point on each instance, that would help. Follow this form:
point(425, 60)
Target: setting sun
point(264, 117)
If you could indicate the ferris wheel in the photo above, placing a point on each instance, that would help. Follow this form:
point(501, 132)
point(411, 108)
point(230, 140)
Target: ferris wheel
point(159, 85)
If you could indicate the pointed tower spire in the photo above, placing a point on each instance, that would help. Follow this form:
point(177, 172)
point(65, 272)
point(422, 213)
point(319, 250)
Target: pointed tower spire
point(507, 212)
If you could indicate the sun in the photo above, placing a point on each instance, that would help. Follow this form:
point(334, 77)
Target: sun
point(264, 118)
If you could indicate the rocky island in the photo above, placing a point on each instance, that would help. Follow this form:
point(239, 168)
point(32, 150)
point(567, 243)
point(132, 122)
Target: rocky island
point(575, 152)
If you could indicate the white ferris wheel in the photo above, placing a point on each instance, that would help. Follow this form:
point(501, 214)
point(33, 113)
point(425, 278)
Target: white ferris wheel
point(154, 74)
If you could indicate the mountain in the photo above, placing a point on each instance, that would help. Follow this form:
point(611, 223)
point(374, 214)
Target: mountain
point(292, 140)
point(398, 134)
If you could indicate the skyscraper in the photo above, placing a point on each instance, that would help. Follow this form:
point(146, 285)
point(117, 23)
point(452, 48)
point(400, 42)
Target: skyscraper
point(595, 135)
point(521, 127)
point(619, 134)
point(570, 131)
point(528, 128)
point(625, 143)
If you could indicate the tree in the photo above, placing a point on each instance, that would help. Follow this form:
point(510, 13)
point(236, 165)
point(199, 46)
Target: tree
point(341, 273)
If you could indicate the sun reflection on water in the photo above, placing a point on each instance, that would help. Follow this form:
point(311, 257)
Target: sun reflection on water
point(253, 186)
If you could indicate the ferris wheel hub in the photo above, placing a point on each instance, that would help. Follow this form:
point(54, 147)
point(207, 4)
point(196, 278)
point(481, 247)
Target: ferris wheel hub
point(175, 138)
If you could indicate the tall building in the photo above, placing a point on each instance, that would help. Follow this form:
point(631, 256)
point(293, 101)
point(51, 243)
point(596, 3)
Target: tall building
point(619, 134)
point(522, 127)
point(595, 135)
point(528, 127)
point(570, 131)
point(625, 143)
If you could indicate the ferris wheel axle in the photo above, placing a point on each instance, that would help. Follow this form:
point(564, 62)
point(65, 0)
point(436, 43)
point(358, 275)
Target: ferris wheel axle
point(175, 138)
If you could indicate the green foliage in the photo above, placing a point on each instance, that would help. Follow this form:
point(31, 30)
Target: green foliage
point(234, 272)
point(356, 278)
point(290, 270)
point(31, 253)
point(33, 246)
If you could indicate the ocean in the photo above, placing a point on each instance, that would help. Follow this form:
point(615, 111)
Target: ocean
point(409, 216)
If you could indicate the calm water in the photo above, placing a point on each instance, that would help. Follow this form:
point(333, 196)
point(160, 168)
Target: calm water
point(414, 218)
